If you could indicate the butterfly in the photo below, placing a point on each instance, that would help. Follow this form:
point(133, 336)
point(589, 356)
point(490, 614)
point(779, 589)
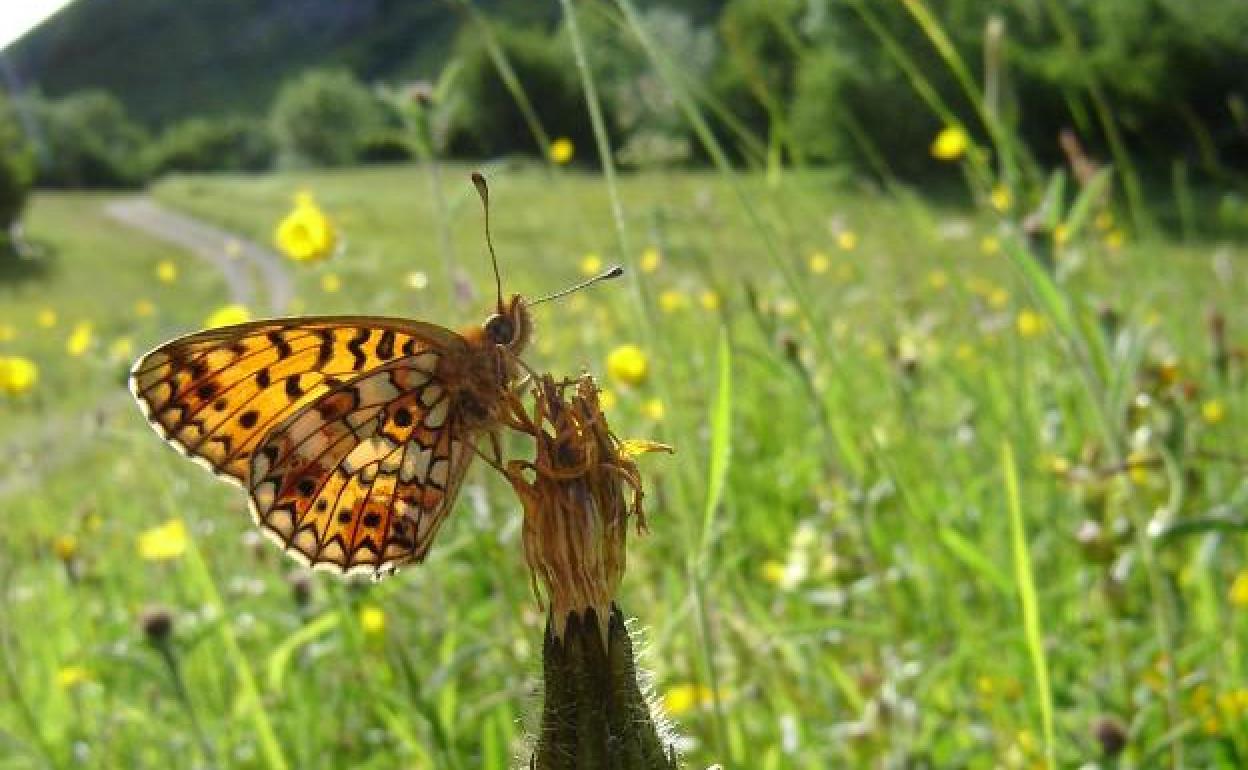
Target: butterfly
point(350, 434)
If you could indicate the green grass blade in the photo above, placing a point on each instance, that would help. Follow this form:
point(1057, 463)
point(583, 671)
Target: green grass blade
point(1092, 194)
point(721, 444)
point(975, 558)
point(1028, 601)
point(279, 660)
point(270, 748)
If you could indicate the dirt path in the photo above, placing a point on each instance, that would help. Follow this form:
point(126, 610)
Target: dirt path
point(238, 259)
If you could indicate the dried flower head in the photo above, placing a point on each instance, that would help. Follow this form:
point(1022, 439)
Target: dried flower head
point(578, 493)
point(156, 623)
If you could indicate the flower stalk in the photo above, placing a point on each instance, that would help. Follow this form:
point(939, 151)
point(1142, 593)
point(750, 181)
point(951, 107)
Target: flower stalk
point(579, 493)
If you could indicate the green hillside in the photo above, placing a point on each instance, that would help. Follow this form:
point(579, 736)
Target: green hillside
point(193, 57)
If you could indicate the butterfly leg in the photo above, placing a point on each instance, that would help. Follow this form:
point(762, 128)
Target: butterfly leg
point(496, 446)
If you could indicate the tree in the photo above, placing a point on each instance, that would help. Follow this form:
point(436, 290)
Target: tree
point(323, 117)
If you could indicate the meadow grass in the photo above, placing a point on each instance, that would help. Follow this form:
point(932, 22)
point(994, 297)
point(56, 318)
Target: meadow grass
point(837, 573)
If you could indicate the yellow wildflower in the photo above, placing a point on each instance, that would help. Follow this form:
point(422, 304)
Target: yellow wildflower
point(417, 279)
point(69, 677)
point(786, 307)
point(305, 233)
point(938, 279)
point(372, 620)
point(561, 151)
point(168, 541)
point(227, 315)
point(847, 240)
point(986, 686)
point(65, 547)
point(1029, 323)
point(122, 349)
point(818, 262)
point(709, 299)
point(999, 298)
point(1001, 198)
point(46, 318)
point(330, 283)
point(683, 698)
point(650, 259)
point(1139, 467)
point(166, 271)
point(989, 245)
point(79, 339)
point(8, 332)
point(950, 144)
point(17, 375)
point(1169, 371)
point(1061, 234)
point(627, 364)
point(673, 300)
point(1239, 590)
point(591, 264)
point(774, 572)
point(784, 576)
point(1213, 411)
point(1114, 239)
point(653, 408)
point(144, 308)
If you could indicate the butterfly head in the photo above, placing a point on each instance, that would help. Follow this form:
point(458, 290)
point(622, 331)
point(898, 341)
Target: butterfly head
point(511, 326)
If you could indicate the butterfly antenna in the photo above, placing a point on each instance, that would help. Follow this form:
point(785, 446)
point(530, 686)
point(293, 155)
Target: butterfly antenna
point(483, 190)
point(606, 275)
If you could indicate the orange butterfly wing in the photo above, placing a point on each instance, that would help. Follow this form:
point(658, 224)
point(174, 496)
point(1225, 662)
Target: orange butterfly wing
point(361, 479)
point(364, 402)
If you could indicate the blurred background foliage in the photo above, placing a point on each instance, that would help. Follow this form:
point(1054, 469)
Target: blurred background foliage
point(297, 82)
point(978, 298)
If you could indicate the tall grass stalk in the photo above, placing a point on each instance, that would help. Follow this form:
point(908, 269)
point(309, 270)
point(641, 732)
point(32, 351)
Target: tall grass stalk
point(1057, 307)
point(270, 747)
point(837, 389)
point(607, 159)
point(17, 696)
point(508, 75)
point(1069, 37)
point(1006, 145)
point(1026, 584)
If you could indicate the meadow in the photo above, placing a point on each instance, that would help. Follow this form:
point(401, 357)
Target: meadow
point(934, 502)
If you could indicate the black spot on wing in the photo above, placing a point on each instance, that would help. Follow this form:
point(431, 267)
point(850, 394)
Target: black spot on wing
point(385, 345)
point(356, 346)
point(278, 339)
point(294, 389)
point(326, 349)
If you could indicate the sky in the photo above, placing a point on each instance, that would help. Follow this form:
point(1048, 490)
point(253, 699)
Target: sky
point(18, 16)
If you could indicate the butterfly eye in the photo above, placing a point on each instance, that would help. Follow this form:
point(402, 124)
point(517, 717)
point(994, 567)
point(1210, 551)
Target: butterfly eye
point(500, 330)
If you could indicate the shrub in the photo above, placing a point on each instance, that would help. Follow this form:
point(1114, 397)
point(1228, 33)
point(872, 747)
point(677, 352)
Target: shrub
point(322, 117)
point(651, 127)
point(756, 75)
point(16, 170)
point(85, 139)
point(486, 119)
point(386, 147)
point(213, 144)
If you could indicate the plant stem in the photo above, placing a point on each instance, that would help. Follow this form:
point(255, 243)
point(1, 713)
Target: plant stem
point(595, 714)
